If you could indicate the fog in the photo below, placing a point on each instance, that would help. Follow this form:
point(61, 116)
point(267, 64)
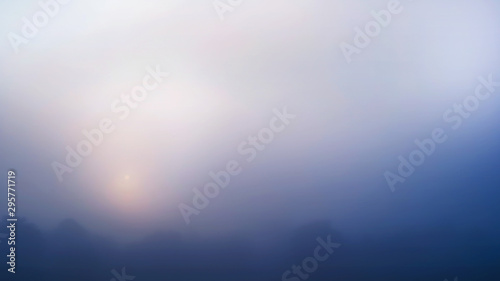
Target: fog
point(220, 83)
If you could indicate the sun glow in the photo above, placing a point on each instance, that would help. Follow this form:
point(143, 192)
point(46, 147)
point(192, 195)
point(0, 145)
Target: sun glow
point(124, 192)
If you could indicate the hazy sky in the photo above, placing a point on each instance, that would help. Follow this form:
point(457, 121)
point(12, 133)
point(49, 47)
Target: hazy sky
point(352, 120)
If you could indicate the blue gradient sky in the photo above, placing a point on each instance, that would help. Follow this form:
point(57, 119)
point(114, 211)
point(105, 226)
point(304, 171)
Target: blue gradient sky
point(353, 120)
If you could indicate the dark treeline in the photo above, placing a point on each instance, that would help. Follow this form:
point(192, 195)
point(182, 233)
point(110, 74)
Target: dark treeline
point(71, 253)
